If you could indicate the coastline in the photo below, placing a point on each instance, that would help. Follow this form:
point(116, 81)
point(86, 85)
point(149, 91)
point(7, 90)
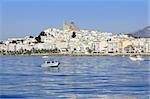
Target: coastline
point(78, 54)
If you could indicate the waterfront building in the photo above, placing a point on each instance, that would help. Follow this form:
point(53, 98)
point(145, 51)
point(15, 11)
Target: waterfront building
point(73, 40)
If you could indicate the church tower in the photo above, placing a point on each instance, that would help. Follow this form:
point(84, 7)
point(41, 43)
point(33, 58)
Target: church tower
point(70, 26)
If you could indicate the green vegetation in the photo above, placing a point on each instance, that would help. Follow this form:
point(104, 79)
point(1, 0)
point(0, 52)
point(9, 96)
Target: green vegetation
point(56, 52)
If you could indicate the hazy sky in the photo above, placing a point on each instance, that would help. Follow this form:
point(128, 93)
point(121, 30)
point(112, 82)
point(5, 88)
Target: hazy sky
point(19, 18)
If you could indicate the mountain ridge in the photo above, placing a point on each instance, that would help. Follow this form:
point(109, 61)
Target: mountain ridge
point(142, 33)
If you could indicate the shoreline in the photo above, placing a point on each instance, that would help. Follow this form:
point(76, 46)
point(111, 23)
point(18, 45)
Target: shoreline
point(78, 54)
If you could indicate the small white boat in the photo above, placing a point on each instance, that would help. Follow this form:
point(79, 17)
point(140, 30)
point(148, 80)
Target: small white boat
point(45, 57)
point(136, 58)
point(123, 56)
point(50, 64)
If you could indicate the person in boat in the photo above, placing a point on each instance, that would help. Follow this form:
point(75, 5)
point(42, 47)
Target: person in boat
point(50, 61)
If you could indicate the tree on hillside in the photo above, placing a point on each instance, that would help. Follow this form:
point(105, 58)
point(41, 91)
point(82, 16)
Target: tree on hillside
point(43, 33)
point(30, 36)
point(38, 39)
point(73, 34)
point(14, 41)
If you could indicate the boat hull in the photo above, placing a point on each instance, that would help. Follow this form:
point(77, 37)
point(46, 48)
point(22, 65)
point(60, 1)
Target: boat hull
point(136, 58)
point(45, 57)
point(56, 64)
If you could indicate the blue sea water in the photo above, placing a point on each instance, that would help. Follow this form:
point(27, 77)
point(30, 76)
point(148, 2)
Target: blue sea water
point(77, 77)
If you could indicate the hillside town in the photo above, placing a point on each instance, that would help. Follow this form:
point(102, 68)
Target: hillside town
point(72, 40)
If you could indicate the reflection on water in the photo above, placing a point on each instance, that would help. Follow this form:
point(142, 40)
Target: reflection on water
point(96, 77)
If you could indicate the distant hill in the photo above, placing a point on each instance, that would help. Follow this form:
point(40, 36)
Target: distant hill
point(143, 33)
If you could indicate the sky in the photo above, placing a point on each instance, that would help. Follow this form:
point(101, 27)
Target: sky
point(20, 18)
